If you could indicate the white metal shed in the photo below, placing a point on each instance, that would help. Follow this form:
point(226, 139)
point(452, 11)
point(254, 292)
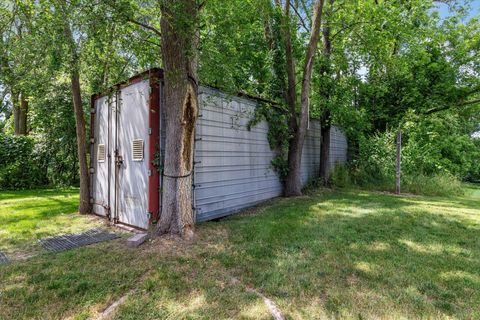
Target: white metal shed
point(232, 163)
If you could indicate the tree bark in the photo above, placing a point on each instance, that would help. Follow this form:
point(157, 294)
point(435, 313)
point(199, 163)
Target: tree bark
point(179, 52)
point(84, 206)
point(23, 115)
point(20, 114)
point(326, 117)
point(325, 151)
point(293, 186)
point(16, 112)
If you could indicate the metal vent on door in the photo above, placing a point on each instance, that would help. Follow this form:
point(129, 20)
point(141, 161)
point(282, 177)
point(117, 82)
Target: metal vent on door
point(137, 150)
point(101, 153)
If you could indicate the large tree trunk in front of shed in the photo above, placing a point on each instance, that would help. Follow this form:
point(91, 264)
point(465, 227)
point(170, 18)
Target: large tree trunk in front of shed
point(84, 206)
point(293, 184)
point(179, 53)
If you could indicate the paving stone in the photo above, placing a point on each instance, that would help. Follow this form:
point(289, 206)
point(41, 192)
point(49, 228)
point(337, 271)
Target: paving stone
point(136, 240)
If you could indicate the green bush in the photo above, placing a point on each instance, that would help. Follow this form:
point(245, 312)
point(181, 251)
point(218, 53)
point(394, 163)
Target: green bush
point(340, 177)
point(374, 166)
point(37, 160)
point(430, 166)
point(440, 145)
point(21, 163)
point(436, 185)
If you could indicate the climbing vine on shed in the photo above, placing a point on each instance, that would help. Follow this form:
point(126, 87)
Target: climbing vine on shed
point(278, 133)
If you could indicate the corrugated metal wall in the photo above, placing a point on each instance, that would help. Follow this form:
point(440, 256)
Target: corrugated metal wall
point(338, 147)
point(311, 152)
point(233, 169)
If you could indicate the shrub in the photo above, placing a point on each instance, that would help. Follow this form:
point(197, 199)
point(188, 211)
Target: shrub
point(37, 160)
point(425, 167)
point(375, 163)
point(21, 164)
point(340, 177)
point(436, 185)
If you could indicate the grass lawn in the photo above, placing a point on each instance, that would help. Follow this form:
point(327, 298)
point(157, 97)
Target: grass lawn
point(26, 216)
point(346, 254)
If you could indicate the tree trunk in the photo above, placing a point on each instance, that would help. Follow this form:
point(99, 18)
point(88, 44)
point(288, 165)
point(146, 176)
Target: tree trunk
point(326, 118)
point(16, 113)
point(179, 53)
point(84, 206)
point(293, 185)
point(20, 112)
point(22, 115)
point(325, 153)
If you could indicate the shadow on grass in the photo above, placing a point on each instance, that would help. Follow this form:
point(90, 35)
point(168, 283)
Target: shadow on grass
point(344, 254)
point(167, 286)
point(28, 215)
point(360, 254)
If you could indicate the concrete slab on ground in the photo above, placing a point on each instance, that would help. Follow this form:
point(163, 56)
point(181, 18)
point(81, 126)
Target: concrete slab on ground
point(137, 240)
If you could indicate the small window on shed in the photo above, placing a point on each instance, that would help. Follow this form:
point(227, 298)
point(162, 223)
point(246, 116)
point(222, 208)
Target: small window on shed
point(101, 153)
point(137, 150)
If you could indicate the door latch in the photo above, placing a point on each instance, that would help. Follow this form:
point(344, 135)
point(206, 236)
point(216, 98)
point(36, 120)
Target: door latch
point(119, 161)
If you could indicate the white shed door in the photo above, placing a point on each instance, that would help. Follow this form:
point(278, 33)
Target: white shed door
point(132, 146)
point(102, 182)
point(120, 180)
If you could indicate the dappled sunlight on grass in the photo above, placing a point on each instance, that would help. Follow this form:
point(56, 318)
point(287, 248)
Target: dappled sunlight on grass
point(460, 276)
point(345, 254)
point(256, 310)
point(334, 247)
point(374, 246)
point(26, 216)
point(435, 248)
point(57, 286)
point(367, 267)
point(182, 287)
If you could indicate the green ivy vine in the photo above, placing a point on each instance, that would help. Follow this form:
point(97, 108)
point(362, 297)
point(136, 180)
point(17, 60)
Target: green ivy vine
point(278, 134)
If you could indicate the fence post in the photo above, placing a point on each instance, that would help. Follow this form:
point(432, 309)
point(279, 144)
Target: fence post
point(398, 171)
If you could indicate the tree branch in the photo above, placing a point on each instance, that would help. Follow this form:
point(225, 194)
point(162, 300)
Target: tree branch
point(144, 25)
point(446, 107)
point(304, 6)
point(346, 28)
point(300, 17)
